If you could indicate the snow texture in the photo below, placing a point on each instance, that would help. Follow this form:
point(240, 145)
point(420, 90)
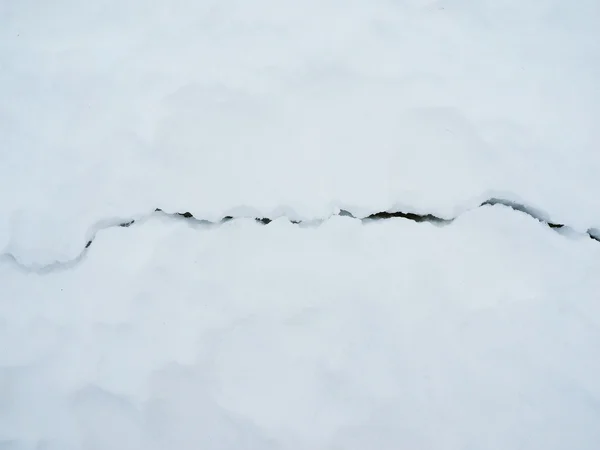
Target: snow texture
point(116, 108)
point(99, 227)
point(388, 334)
point(127, 328)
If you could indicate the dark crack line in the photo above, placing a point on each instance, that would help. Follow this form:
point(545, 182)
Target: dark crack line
point(592, 233)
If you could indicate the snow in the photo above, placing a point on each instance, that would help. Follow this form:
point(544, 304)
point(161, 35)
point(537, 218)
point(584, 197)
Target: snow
point(386, 334)
point(117, 108)
point(335, 333)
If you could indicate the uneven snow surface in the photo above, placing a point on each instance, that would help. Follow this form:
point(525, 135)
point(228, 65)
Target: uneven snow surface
point(389, 335)
point(112, 108)
point(173, 334)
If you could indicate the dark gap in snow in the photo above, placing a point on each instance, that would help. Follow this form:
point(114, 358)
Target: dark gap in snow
point(592, 233)
point(386, 215)
point(535, 213)
point(410, 216)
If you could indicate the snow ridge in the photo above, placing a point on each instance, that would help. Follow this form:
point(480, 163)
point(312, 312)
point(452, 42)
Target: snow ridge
point(534, 213)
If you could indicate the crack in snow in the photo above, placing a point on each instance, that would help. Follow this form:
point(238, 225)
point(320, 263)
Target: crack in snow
point(592, 233)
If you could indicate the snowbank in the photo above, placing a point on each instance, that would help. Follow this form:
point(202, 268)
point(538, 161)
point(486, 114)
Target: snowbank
point(117, 108)
point(391, 334)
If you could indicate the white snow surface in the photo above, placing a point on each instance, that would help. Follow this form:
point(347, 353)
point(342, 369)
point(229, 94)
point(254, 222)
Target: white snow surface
point(338, 334)
point(483, 334)
point(113, 108)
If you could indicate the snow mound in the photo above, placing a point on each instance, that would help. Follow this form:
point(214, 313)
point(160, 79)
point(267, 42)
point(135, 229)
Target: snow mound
point(387, 334)
point(117, 108)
